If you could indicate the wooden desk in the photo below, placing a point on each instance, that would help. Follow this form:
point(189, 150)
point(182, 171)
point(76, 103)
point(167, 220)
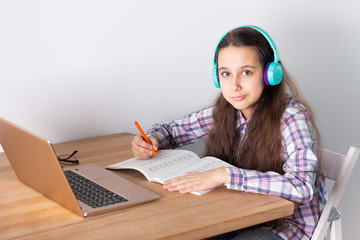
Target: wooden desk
point(26, 214)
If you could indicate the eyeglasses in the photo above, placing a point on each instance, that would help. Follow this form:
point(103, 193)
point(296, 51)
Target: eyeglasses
point(69, 158)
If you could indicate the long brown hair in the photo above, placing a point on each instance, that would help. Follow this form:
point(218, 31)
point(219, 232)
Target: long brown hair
point(260, 147)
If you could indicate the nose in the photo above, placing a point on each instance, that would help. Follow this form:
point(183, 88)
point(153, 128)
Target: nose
point(236, 83)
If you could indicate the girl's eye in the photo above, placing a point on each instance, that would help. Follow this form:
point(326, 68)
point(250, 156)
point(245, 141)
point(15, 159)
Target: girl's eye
point(225, 74)
point(246, 73)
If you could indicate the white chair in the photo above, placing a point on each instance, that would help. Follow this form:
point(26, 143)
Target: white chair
point(337, 167)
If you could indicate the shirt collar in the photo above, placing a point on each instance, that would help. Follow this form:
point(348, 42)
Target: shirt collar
point(241, 119)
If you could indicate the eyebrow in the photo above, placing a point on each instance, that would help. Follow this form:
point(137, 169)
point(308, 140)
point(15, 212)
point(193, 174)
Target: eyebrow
point(245, 66)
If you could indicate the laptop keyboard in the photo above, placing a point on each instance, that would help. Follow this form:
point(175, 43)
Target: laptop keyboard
point(91, 193)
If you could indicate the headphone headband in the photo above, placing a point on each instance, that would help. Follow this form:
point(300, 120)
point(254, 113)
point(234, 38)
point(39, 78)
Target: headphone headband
point(273, 71)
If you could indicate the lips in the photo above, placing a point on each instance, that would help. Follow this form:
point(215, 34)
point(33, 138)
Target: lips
point(239, 98)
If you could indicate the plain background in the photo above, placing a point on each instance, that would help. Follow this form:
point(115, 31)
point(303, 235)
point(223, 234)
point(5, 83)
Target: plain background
point(85, 68)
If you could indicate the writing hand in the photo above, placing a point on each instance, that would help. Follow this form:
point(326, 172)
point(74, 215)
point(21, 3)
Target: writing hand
point(141, 149)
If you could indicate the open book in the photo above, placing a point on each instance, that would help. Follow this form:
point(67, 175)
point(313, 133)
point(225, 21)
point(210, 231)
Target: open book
point(170, 164)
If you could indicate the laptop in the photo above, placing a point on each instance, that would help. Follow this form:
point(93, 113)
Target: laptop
point(35, 164)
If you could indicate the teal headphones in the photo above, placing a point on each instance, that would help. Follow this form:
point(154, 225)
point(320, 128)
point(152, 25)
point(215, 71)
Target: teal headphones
point(273, 72)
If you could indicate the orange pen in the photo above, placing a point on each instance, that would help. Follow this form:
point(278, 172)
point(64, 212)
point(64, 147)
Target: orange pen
point(144, 136)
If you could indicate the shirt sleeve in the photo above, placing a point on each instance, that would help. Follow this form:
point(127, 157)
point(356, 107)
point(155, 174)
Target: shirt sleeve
point(300, 164)
point(188, 129)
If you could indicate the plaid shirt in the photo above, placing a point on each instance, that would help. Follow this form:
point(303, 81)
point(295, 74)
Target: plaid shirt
point(300, 183)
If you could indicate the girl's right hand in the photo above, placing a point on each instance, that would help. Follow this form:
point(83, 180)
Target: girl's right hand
point(143, 150)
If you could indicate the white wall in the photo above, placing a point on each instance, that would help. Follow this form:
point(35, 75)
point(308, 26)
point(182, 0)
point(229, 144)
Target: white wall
point(83, 68)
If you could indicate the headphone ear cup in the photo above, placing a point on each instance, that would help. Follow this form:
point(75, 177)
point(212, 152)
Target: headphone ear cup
point(215, 77)
point(273, 74)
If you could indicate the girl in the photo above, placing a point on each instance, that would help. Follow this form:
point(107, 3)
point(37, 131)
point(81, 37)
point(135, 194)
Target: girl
point(260, 124)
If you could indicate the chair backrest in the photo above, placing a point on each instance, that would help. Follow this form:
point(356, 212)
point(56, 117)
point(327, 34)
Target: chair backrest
point(337, 167)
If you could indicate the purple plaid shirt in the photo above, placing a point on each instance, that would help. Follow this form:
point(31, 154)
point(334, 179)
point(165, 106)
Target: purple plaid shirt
point(300, 183)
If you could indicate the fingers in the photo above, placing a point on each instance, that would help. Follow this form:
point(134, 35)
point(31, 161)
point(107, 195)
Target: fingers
point(141, 149)
point(154, 142)
point(185, 184)
point(192, 182)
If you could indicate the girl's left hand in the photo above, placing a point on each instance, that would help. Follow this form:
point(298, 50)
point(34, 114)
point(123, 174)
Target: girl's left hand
point(197, 181)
